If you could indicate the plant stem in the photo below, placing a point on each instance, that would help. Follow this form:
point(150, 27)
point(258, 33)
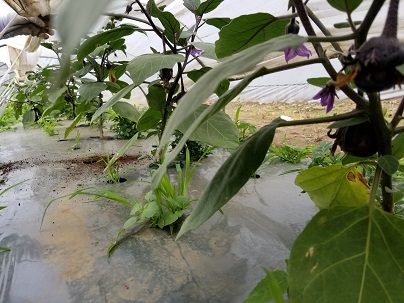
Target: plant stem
point(384, 138)
point(367, 22)
point(334, 118)
point(375, 186)
point(300, 8)
point(323, 29)
point(155, 28)
point(398, 115)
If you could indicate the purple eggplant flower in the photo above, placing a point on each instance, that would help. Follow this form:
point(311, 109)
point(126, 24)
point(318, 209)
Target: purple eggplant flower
point(291, 53)
point(194, 51)
point(327, 96)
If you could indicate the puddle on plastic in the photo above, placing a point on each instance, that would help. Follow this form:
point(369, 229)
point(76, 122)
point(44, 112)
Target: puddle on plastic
point(66, 260)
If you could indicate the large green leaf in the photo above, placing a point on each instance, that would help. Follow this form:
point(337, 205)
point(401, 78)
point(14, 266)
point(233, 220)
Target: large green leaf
point(93, 42)
point(92, 89)
point(147, 65)
point(231, 176)
point(196, 74)
point(126, 110)
point(117, 97)
point(75, 18)
point(204, 116)
point(218, 22)
point(344, 5)
point(156, 98)
point(246, 31)
point(208, 83)
point(148, 120)
point(350, 255)
point(218, 130)
point(207, 6)
point(263, 293)
point(167, 19)
point(342, 185)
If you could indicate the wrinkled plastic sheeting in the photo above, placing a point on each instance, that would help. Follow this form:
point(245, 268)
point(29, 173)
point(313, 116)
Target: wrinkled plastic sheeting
point(288, 86)
point(34, 8)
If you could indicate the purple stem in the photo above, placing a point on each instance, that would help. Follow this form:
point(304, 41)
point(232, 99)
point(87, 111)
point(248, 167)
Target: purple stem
point(390, 28)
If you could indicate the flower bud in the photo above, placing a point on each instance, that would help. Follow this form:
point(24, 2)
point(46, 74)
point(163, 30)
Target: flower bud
point(165, 75)
point(292, 27)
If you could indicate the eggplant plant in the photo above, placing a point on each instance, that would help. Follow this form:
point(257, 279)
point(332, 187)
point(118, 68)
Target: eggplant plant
point(351, 251)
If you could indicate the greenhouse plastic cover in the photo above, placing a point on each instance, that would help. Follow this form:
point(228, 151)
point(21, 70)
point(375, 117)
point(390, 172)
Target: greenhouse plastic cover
point(287, 86)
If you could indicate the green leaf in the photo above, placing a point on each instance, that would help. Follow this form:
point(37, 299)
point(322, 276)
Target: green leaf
point(389, 164)
point(123, 150)
point(148, 120)
point(348, 255)
point(10, 187)
point(346, 24)
point(398, 146)
point(54, 95)
point(218, 130)
point(208, 50)
point(320, 81)
point(207, 84)
point(130, 222)
point(90, 44)
point(168, 218)
point(150, 210)
point(156, 98)
point(92, 89)
point(246, 31)
point(4, 249)
point(207, 6)
point(145, 66)
point(192, 5)
point(28, 117)
point(218, 22)
point(167, 19)
point(348, 122)
point(73, 125)
point(75, 18)
point(231, 176)
point(400, 69)
point(117, 97)
point(262, 293)
point(344, 5)
point(126, 110)
point(196, 74)
point(334, 185)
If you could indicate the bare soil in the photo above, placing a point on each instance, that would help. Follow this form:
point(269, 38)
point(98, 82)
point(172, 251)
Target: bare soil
point(260, 114)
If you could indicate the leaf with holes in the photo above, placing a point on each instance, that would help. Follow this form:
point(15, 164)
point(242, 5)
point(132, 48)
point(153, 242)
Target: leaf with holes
point(334, 185)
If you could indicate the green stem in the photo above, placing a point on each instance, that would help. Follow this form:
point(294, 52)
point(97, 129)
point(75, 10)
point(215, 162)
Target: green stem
point(375, 186)
point(334, 118)
point(384, 139)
